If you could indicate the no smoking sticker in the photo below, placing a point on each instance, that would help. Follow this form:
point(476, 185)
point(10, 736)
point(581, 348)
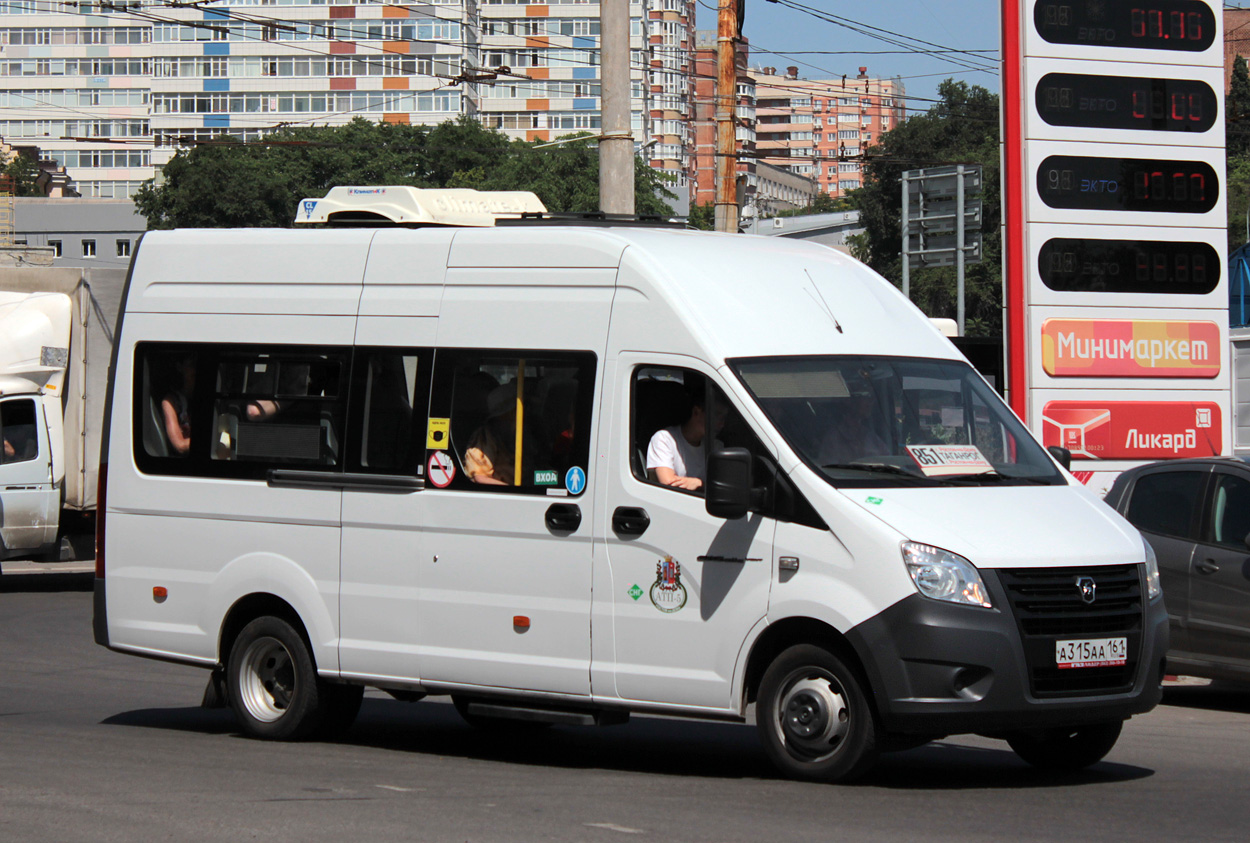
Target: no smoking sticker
point(441, 469)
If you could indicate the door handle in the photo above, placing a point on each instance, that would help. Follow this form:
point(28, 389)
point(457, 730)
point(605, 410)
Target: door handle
point(564, 517)
point(630, 521)
point(1208, 567)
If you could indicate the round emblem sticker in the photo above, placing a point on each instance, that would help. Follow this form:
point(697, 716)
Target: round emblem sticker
point(667, 593)
point(575, 480)
point(441, 469)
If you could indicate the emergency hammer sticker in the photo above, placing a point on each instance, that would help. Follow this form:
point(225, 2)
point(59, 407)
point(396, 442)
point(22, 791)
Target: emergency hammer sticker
point(441, 469)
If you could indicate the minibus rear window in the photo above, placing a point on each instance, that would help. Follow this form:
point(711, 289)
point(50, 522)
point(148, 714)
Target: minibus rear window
point(237, 411)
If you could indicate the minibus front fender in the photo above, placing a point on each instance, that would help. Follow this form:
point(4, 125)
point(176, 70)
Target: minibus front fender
point(800, 621)
point(261, 584)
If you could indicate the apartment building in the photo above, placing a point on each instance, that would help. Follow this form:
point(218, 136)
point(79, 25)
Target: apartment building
point(703, 161)
point(111, 88)
point(552, 50)
point(821, 127)
point(1236, 40)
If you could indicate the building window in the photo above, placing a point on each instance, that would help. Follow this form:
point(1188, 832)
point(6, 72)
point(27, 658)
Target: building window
point(88, 248)
point(123, 248)
point(56, 248)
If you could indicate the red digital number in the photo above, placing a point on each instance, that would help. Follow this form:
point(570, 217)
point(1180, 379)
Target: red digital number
point(1195, 26)
point(1154, 19)
point(1179, 109)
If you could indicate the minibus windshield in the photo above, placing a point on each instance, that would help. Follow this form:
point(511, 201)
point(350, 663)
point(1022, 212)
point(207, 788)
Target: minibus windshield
point(895, 421)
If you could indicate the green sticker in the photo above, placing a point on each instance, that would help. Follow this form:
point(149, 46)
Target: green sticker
point(635, 592)
point(546, 478)
point(875, 501)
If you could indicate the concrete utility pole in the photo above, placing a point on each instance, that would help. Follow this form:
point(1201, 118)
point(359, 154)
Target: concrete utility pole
point(726, 215)
point(616, 144)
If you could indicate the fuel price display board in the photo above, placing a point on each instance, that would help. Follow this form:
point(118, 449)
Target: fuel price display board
point(1114, 228)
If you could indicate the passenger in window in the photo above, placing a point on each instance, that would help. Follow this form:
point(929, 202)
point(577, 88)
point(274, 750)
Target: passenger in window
point(490, 457)
point(20, 443)
point(176, 408)
point(854, 435)
point(260, 409)
point(675, 453)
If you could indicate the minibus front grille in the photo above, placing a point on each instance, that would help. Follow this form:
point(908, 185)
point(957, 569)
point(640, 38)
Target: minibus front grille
point(1048, 606)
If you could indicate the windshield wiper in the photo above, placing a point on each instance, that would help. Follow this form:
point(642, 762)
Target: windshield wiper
point(880, 467)
point(994, 476)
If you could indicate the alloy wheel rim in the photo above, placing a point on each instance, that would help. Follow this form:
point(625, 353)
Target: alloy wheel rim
point(267, 679)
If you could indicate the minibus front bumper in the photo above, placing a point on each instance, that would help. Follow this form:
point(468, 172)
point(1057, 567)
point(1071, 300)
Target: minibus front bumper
point(939, 668)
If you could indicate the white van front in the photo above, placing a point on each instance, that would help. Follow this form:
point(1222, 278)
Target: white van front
point(1020, 600)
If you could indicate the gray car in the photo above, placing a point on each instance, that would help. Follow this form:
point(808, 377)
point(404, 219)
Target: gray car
point(1196, 515)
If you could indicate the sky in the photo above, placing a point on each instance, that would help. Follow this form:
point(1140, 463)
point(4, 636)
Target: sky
point(783, 34)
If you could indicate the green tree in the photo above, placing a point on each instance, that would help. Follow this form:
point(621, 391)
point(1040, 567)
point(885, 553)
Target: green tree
point(564, 175)
point(961, 128)
point(702, 217)
point(259, 183)
point(1237, 140)
point(24, 172)
point(1237, 110)
point(822, 203)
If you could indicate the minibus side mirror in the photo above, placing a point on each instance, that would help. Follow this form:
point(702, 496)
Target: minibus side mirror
point(1062, 456)
point(729, 483)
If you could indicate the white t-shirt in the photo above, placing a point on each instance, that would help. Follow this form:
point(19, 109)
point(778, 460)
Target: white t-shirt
point(669, 449)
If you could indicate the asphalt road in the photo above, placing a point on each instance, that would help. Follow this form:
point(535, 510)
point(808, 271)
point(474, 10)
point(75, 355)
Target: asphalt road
point(97, 746)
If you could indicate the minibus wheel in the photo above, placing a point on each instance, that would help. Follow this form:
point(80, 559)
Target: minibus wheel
point(272, 683)
point(814, 718)
point(1068, 749)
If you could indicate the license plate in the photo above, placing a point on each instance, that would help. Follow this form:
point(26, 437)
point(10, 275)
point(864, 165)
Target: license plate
point(1092, 652)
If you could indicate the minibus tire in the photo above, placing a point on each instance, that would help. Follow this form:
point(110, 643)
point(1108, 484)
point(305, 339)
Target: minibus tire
point(272, 683)
point(1066, 750)
point(831, 732)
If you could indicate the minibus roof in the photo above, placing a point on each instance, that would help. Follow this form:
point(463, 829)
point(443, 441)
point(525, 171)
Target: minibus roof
point(710, 295)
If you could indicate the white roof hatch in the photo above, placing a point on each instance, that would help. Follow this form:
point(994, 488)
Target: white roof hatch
point(403, 205)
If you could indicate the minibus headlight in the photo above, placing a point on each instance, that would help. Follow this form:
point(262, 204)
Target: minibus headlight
point(942, 575)
point(1153, 587)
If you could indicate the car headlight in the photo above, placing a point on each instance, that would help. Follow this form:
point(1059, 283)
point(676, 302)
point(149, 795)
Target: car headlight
point(1153, 588)
point(942, 575)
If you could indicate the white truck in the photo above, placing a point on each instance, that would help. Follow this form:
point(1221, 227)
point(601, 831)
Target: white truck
point(56, 338)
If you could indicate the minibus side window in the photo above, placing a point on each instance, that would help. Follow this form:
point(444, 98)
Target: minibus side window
point(390, 389)
point(165, 397)
point(18, 431)
point(279, 407)
point(673, 411)
point(218, 410)
point(516, 421)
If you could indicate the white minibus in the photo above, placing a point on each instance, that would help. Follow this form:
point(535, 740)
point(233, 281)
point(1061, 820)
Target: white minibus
point(563, 472)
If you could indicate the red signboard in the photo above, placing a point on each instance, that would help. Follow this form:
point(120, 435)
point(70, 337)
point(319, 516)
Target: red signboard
point(1133, 430)
point(1130, 348)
